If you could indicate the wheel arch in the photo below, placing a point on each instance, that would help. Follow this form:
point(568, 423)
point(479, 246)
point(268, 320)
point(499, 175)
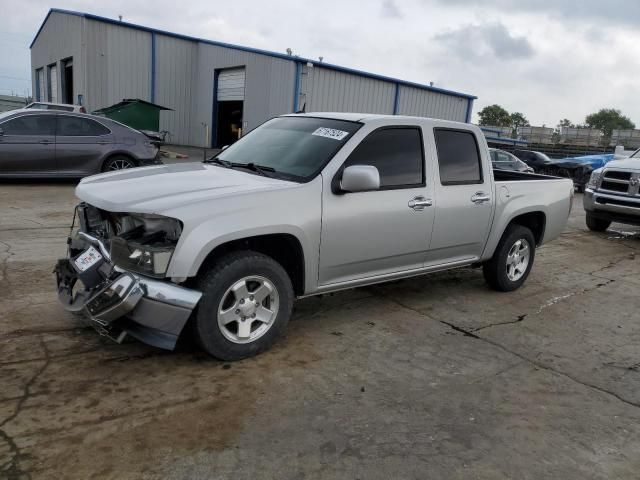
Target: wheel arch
point(284, 248)
point(111, 155)
point(535, 221)
point(533, 218)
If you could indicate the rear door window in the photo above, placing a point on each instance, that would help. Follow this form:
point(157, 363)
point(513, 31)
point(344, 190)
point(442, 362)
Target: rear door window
point(396, 152)
point(458, 157)
point(37, 125)
point(69, 126)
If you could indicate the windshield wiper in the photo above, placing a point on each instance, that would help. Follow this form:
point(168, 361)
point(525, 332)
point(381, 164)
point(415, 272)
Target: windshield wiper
point(261, 169)
point(219, 161)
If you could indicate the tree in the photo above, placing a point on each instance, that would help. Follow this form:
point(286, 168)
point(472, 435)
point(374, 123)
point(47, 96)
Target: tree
point(518, 120)
point(608, 119)
point(494, 115)
point(565, 122)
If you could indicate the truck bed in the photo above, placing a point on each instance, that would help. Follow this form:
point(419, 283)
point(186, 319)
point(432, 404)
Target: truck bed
point(510, 175)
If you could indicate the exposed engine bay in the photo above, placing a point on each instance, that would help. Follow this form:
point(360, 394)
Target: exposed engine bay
point(115, 274)
point(141, 243)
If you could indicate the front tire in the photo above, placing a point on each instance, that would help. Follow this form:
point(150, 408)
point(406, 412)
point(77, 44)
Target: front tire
point(512, 260)
point(597, 224)
point(246, 304)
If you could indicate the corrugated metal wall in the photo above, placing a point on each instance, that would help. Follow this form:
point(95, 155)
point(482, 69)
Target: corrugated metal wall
point(176, 67)
point(324, 90)
point(426, 103)
point(112, 62)
point(118, 63)
point(61, 37)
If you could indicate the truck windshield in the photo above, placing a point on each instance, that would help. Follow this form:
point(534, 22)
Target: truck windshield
point(293, 148)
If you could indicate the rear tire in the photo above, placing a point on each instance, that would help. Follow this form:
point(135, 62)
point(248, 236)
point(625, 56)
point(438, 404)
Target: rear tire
point(512, 260)
point(246, 304)
point(118, 162)
point(597, 224)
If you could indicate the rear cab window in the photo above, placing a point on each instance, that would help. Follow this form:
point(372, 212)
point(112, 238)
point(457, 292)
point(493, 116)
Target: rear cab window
point(397, 153)
point(459, 159)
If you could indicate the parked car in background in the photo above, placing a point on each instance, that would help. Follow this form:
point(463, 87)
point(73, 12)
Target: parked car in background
point(578, 169)
point(536, 160)
point(501, 160)
point(303, 205)
point(65, 107)
point(52, 143)
point(613, 194)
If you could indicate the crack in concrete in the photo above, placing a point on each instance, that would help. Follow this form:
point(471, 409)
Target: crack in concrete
point(549, 303)
point(550, 369)
point(497, 324)
point(4, 267)
point(542, 366)
point(13, 465)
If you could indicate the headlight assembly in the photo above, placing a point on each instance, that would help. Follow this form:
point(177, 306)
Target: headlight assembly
point(145, 244)
point(594, 179)
point(145, 259)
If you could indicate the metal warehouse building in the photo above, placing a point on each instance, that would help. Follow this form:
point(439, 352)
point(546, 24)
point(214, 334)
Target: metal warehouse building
point(216, 90)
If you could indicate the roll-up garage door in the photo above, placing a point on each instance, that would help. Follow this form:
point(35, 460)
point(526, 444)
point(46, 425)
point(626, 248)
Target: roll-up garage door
point(53, 83)
point(231, 84)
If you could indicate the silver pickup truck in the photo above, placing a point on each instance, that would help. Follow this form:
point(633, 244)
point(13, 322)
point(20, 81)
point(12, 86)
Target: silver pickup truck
point(302, 205)
point(613, 194)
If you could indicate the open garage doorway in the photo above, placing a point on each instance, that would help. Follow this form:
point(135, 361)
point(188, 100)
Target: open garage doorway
point(229, 106)
point(67, 81)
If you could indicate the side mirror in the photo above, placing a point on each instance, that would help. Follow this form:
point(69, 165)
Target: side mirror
point(360, 178)
point(1, 132)
point(225, 147)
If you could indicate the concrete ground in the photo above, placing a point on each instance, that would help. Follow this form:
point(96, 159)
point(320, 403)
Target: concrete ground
point(434, 377)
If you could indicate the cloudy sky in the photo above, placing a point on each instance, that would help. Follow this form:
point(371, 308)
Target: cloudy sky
point(549, 59)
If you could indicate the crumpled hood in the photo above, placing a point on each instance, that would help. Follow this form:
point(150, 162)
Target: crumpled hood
point(593, 161)
point(156, 189)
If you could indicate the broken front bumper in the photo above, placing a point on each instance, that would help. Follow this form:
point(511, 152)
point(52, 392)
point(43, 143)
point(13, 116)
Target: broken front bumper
point(118, 302)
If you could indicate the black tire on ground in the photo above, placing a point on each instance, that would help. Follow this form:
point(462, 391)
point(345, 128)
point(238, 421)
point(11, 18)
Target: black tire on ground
point(495, 270)
point(597, 224)
point(228, 270)
point(118, 162)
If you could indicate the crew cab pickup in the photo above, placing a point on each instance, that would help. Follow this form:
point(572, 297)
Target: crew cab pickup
point(303, 205)
point(613, 194)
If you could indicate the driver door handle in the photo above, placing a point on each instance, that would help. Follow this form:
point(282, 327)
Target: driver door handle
point(419, 203)
point(480, 197)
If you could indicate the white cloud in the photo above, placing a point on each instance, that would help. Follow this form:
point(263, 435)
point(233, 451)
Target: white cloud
point(545, 58)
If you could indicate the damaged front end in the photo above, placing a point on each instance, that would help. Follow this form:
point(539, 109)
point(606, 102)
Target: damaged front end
point(114, 274)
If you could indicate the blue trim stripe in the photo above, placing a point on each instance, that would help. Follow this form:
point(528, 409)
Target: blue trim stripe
point(296, 87)
point(396, 100)
point(214, 111)
point(153, 68)
point(282, 56)
point(469, 109)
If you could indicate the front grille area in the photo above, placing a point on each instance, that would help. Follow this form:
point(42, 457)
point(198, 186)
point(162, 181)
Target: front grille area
point(614, 187)
point(617, 175)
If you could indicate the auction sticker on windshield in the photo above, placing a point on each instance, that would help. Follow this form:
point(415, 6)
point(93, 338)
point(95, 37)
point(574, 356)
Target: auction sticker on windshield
point(87, 259)
point(330, 133)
